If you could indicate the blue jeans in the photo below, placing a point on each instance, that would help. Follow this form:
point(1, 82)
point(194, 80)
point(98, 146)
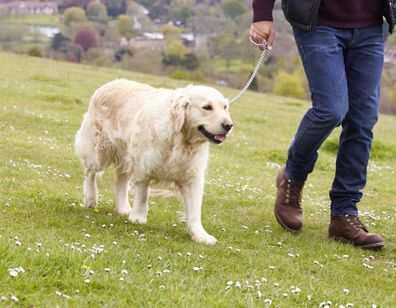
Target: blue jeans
point(343, 67)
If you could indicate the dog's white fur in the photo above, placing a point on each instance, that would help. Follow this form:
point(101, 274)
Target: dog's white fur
point(151, 135)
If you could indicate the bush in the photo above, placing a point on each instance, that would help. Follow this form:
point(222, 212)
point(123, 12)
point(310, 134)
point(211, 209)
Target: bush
point(97, 56)
point(73, 15)
point(174, 53)
point(97, 12)
point(86, 38)
point(289, 85)
point(59, 41)
point(181, 13)
point(180, 75)
point(187, 75)
point(35, 52)
point(125, 28)
point(64, 4)
point(116, 7)
point(190, 61)
point(197, 75)
point(121, 53)
point(171, 32)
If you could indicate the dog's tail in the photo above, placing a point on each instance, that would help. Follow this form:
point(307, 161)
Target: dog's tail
point(84, 143)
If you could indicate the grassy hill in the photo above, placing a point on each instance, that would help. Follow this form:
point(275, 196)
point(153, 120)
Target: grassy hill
point(64, 248)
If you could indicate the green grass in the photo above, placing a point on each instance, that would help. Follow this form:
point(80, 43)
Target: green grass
point(32, 19)
point(235, 66)
point(42, 103)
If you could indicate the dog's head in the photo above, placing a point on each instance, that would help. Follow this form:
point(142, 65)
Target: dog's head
point(203, 112)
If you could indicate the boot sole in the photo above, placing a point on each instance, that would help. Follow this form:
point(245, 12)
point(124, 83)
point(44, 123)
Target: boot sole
point(283, 225)
point(368, 246)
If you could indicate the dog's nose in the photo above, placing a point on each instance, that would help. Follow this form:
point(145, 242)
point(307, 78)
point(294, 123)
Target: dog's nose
point(227, 126)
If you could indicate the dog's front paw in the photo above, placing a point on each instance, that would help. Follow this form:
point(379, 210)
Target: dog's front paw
point(124, 211)
point(136, 218)
point(204, 238)
point(90, 201)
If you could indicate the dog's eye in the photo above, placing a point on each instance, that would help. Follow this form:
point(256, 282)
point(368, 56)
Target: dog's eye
point(208, 107)
point(225, 107)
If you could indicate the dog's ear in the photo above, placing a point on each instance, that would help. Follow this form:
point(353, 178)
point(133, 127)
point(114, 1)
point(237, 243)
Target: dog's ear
point(179, 107)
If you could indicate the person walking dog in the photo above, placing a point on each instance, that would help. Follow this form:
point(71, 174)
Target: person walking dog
point(341, 44)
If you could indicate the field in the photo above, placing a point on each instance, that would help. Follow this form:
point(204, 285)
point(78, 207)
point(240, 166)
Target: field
point(74, 256)
point(32, 19)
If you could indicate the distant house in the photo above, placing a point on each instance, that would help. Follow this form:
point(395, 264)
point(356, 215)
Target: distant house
point(188, 39)
point(156, 41)
point(153, 41)
point(30, 7)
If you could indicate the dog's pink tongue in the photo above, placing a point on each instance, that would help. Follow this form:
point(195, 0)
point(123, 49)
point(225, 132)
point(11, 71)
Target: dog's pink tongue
point(220, 137)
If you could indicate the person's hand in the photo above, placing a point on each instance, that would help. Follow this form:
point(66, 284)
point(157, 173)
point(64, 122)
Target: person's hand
point(263, 31)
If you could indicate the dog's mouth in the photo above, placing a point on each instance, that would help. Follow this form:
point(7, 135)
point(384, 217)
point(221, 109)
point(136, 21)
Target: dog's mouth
point(217, 139)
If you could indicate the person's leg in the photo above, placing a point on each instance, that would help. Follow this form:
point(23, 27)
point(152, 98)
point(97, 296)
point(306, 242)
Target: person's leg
point(363, 64)
point(322, 54)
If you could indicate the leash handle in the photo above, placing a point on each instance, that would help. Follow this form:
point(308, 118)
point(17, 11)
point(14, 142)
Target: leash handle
point(264, 47)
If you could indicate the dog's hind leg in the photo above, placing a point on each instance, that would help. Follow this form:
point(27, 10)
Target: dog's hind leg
point(95, 156)
point(139, 211)
point(122, 187)
point(90, 189)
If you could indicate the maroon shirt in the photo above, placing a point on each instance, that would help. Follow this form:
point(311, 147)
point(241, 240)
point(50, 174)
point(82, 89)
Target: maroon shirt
point(334, 13)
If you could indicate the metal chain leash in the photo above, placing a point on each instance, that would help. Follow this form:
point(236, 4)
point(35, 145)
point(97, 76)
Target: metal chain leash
point(264, 47)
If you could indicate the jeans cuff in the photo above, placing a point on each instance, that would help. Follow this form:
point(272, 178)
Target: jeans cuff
point(294, 178)
point(344, 213)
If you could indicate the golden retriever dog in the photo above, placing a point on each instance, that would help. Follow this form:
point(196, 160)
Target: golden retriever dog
point(150, 135)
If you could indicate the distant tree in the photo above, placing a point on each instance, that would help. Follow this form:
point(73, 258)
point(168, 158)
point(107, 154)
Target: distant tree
point(224, 46)
point(73, 15)
point(97, 12)
point(86, 38)
point(121, 53)
point(65, 4)
point(124, 25)
point(190, 61)
point(175, 48)
point(59, 41)
point(171, 32)
point(233, 8)
point(116, 7)
point(111, 35)
point(181, 13)
point(159, 11)
point(174, 52)
point(146, 3)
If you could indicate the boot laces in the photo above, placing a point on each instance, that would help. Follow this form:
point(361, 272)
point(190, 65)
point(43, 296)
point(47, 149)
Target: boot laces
point(293, 193)
point(356, 223)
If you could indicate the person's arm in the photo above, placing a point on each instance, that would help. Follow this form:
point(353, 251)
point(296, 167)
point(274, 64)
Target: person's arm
point(262, 10)
point(262, 28)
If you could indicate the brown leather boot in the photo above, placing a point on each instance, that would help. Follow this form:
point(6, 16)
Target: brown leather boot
point(288, 210)
point(349, 229)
